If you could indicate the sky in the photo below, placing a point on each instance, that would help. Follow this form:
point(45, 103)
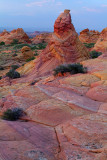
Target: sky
point(32, 15)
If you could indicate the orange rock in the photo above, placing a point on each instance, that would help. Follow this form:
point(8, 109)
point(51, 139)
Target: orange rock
point(43, 37)
point(98, 93)
point(64, 47)
point(101, 44)
point(89, 36)
point(27, 52)
point(18, 34)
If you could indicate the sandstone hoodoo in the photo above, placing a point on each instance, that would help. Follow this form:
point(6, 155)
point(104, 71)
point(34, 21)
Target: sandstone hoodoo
point(64, 47)
point(16, 34)
point(89, 36)
point(26, 52)
point(101, 44)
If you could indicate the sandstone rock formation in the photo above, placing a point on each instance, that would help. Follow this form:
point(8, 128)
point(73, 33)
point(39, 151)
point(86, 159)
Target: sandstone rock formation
point(64, 47)
point(43, 37)
point(27, 52)
point(89, 36)
point(101, 44)
point(65, 116)
point(18, 34)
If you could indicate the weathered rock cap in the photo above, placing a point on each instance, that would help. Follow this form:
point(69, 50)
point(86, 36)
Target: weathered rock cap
point(66, 11)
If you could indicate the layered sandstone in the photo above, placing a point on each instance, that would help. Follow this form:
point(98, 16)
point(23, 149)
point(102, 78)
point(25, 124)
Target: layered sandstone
point(101, 44)
point(18, 34)
point(43, 37)
point(89, 36)
point(64, 47)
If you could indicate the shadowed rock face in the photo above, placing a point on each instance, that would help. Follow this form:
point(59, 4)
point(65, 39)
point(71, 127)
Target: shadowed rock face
point(64, 47)
point(101, 44)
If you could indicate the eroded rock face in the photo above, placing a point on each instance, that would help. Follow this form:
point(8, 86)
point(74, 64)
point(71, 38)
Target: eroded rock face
point(18, 34)
point(89, 36)
point(101, 44)
point(64, 47)
point(43, 37)
point(27, 52)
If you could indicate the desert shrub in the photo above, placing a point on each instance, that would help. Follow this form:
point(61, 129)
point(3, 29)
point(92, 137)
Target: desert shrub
point(15, 41)
point(42, 45)
point(2, 43)
point(89, 45)
point(23, 64)
point(13, 74)
point(36, 54)
point(1, 68)
point(19, 46)
point(34, 47)
point(14, 67)
point(70, 68)
point(30, 59)
point(94, 54)
point(14, 55)
point(12, 114)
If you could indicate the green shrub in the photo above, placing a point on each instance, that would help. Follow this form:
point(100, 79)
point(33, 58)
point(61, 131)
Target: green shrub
point(30, 59)
point(70, 68)
point(42, 45)
point(13, 74)
point(94, 54)
point(14, 67)
point(12, 114)
point(15, 41)
point(1, 68)
point(36, 54)
point(89, 45)
point(34, 47)
point(2, 43)
point(14, 55)
point(19, 46)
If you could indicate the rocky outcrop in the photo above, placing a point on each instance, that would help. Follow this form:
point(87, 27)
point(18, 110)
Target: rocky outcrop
point(101, 44)
point(43, 37)
point(89, 36)
point(18, 34)
point(64, 47)
point(27, 52)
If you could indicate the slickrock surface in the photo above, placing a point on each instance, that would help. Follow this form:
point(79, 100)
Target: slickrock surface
point(66, 117)
point(18, 34)
point(101, 44)
point(43, 37)
point(89, 36)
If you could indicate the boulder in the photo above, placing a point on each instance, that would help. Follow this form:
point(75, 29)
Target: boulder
point(27, 52)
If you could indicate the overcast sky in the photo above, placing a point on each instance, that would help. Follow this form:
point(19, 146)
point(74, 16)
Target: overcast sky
point(41, 14)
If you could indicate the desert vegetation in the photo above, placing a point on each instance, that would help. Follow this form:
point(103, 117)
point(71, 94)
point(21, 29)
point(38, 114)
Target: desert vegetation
point(94, 54)
point(70, 68)
point(12, 114)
